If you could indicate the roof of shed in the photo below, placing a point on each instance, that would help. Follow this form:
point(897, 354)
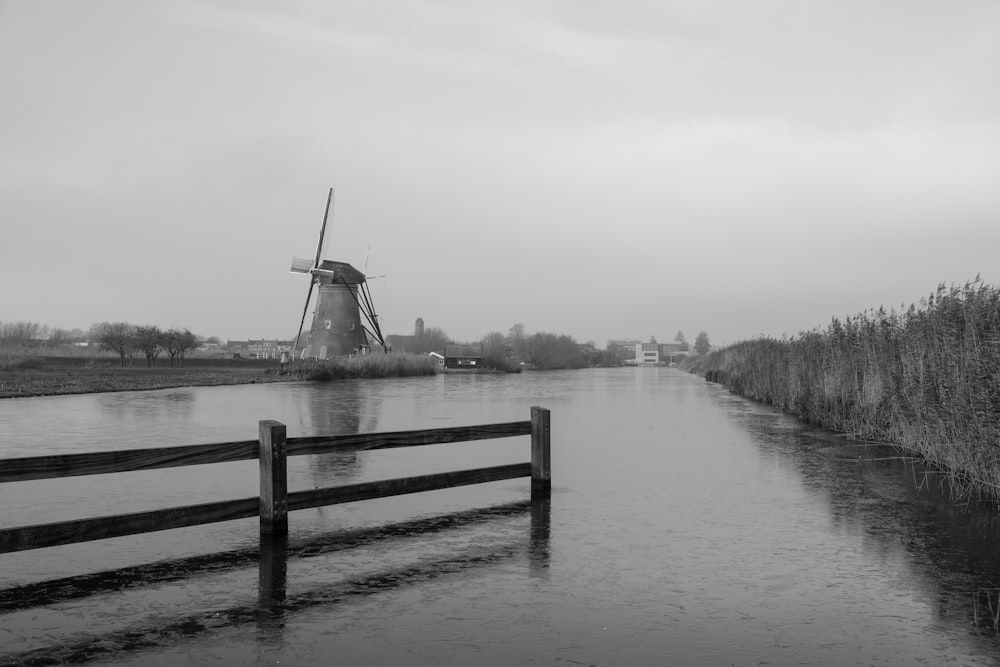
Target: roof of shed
point(458, 350)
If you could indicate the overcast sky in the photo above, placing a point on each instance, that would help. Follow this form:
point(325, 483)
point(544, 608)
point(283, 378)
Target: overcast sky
point(597, 169)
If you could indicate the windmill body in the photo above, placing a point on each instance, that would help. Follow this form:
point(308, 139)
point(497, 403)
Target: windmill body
point(337, 328)
point(344, 319)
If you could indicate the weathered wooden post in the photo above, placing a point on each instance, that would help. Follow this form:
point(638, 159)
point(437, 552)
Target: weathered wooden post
point(541, 454)
point(273, 479)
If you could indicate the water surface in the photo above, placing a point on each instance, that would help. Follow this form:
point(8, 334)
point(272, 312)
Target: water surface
point(686, 526)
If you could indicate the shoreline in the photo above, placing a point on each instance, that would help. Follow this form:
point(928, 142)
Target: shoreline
point(57, 384)
point(57, 377)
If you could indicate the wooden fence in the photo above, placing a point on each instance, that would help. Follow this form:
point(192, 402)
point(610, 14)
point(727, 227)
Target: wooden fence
point(272, 449)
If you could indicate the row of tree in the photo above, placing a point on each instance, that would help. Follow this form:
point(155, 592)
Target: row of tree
point(701, 345)
point(129, 340)
point(538, 350)
point(549, 351)
point(30, 333)
point(126, 340)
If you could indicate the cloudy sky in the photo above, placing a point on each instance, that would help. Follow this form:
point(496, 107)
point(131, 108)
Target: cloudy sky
point(597, 169)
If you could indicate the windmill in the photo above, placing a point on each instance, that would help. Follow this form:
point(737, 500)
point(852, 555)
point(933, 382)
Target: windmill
point(344, 319)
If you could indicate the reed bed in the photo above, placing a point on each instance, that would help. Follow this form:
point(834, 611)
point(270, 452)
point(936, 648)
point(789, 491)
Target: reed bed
point(364, 366)
point(926, 380)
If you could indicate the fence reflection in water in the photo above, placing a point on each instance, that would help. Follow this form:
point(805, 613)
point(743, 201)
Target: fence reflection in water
point(273, 604)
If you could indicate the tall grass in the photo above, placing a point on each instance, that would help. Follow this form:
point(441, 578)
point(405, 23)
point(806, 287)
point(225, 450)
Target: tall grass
point(364, 366)
point(926, 380)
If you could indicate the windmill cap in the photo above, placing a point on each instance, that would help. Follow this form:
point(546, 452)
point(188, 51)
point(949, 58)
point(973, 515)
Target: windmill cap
point(342, 271)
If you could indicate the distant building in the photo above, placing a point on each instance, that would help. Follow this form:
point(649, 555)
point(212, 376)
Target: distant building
point(648, 354)
point(623, 348)
point(463, 357)
point(634, 352)
point(674, 349)
point(404, 343)
point(259, 348)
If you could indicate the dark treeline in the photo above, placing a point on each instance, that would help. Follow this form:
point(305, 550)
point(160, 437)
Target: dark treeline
point(539, 350)
point(36, 333)
point(926, 379)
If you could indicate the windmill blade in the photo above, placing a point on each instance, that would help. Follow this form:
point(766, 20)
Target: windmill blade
point(300, 265)
point(322, 230)
point(305, 309)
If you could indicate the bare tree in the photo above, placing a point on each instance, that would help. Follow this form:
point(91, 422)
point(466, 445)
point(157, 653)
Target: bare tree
point(516, 340)
point(177, 342)
point(149, 340)
point(116, 337)
point(496, 352)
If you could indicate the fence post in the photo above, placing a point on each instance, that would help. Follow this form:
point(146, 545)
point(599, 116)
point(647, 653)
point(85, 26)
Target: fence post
point(273, 479)
point(541, 455)
point(272, 576)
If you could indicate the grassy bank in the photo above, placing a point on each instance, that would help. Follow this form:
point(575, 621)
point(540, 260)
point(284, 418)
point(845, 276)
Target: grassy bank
point(926, 380)
point(22, 376)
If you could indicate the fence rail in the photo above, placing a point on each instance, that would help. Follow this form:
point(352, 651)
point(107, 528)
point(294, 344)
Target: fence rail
point(129, 460)
point(274, 502)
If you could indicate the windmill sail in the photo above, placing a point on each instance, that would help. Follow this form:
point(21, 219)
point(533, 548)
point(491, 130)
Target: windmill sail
point(301, 265)
point(305, 309)
point(322, 230)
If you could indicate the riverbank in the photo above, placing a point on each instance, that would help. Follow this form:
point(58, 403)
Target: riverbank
point(365, 366)
point(49, 376)
point(926, 381)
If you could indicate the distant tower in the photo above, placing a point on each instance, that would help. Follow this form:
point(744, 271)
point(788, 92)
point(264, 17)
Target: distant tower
point(418, 328)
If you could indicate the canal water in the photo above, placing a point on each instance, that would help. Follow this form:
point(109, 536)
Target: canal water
point(686, 526)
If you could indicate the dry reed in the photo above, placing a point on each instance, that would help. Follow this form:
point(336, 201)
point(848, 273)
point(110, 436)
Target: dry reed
point(926, 380)
point(364, 366)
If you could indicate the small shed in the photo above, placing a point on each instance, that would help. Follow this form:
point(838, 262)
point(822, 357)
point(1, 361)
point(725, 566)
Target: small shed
point(463, 357)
